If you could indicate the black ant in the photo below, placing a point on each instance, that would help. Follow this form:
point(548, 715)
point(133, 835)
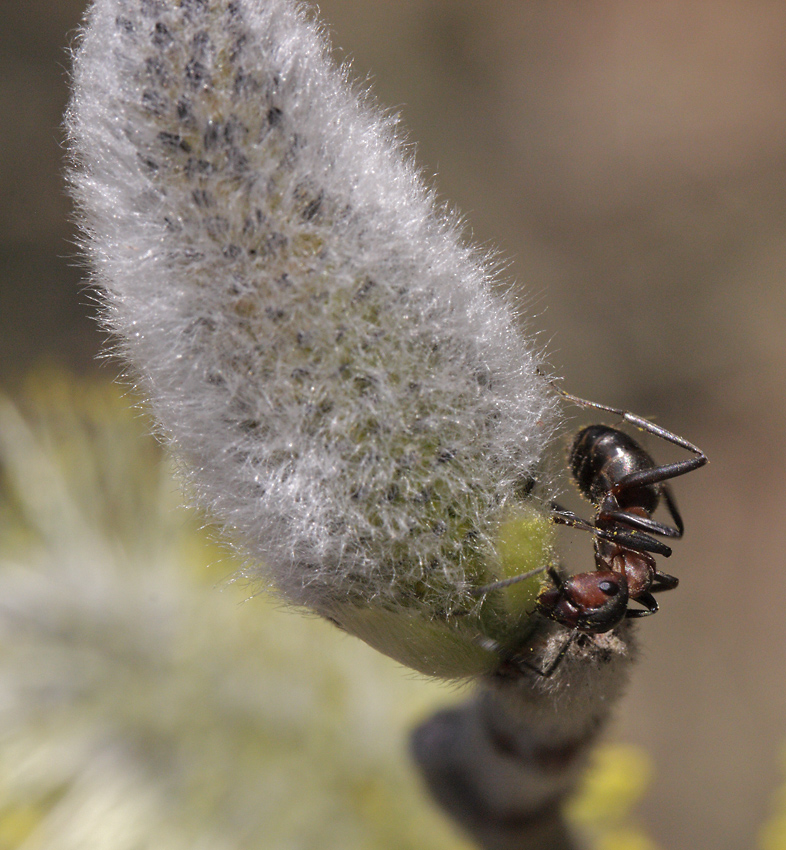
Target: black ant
point(626, 486)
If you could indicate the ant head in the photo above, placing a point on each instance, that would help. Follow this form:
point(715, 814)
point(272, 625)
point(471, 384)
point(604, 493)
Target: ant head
point(588, 602)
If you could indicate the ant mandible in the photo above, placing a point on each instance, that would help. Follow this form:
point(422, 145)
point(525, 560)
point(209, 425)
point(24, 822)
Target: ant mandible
point(626, 486)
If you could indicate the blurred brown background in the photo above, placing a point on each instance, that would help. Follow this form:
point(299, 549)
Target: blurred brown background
point(629, 159)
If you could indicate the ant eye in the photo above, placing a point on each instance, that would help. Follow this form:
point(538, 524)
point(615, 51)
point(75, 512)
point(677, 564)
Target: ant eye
point(610, 588)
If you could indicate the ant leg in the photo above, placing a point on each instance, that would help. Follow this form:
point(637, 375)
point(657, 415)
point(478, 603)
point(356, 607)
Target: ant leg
point(660, 582)
point(637, 541)
point(650, 607)
point(639, 422)
point(660, 473)
point(565, 517)
point(549, 671)
point(663, 581)
point(671, 506)
point(640, 523)
point(631, 539)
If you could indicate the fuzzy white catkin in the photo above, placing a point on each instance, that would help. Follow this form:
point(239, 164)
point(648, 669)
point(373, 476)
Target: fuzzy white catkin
point(321, 349)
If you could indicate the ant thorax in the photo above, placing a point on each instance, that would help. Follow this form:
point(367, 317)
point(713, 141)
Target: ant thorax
point(638, 568)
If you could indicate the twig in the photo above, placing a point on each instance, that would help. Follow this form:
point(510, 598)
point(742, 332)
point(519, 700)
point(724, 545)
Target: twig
point(503, 763)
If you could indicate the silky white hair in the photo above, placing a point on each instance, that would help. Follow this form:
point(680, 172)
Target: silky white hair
point(321, 349)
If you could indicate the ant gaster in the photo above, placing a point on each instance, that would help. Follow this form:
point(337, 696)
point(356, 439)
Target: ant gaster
point(626, 486)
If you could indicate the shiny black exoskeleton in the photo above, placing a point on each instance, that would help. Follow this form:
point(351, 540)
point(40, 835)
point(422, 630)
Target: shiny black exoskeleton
point(626, 486)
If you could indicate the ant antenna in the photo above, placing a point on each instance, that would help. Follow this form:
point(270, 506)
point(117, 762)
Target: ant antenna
point(498, 585)
point(639, 422)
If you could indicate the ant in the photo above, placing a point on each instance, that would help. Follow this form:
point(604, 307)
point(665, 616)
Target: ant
point(626, 486)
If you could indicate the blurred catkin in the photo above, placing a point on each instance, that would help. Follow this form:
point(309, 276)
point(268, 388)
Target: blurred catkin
point(147, 705)
point(144, 708)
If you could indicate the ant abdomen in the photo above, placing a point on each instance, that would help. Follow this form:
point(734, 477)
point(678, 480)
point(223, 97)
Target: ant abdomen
point(603, 456)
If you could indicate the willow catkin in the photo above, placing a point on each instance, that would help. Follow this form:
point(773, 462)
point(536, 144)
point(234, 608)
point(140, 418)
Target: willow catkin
point(321, 349)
